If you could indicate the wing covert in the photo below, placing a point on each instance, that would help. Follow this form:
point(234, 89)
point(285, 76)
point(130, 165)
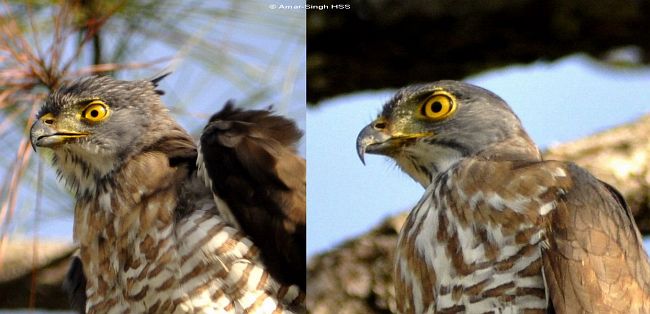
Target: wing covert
point(595, 261)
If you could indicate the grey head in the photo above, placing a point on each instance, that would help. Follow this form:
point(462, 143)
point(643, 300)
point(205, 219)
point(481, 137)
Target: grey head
point(429, 127)
point(95, 123)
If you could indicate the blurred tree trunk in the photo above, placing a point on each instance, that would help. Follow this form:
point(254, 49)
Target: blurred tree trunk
point(391, 43)
point(20, 269)
point(356, 277)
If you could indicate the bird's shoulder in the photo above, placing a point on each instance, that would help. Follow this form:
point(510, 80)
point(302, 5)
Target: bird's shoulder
point(510, 181)
point(549, 192)
point(593, 250)
point(485, 170)
point(549, 180)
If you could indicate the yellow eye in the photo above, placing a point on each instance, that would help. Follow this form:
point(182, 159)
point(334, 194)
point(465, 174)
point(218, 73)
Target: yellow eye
point(438, 106)
point(95, 111)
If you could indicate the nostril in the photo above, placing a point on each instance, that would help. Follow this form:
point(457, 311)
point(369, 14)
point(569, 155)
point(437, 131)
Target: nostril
point(48, 121)
point(380, 125)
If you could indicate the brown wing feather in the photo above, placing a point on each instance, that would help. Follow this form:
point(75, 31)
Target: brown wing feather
point(595, 262)
point(252, 164)
point(74, 285)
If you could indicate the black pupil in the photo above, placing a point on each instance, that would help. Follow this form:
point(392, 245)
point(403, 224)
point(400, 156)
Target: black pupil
point(94, 113)
point(436, 107)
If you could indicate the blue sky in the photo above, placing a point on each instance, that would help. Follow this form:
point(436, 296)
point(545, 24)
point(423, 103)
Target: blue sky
point(557, 102)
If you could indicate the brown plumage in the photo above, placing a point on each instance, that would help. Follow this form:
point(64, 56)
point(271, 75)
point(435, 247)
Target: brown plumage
point(498, 230)
point(262, 180)
point(595, 261)
point(74, 284)
point(150, 234)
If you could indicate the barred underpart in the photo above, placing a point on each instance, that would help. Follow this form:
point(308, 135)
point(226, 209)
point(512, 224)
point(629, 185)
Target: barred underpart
point(150, 260)
point(478, 246)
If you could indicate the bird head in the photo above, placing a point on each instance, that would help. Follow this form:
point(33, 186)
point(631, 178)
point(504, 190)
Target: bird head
point(95, 123)
point(427, 128)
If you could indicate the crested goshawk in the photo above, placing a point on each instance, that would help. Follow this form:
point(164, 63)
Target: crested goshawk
point(499, 230)
point(164, 227)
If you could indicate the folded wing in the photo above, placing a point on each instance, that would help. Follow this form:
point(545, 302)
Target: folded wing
point(595, 261)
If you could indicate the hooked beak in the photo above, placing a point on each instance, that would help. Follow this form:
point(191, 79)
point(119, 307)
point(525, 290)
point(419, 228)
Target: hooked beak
point(372, 141)
point(44, 133)
point(377, 141)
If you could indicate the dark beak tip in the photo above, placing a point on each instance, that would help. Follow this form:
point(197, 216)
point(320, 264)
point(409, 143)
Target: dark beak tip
point(361, 150)
point(32, 141)
point(35, 134)
point(365, 140)
point(35, 143)
point(361, 157)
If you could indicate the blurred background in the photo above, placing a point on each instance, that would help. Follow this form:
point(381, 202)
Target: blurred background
point(247, 50)
point(576, 74)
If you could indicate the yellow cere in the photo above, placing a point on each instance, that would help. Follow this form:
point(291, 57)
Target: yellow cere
point(95, 111)
point(439, 106)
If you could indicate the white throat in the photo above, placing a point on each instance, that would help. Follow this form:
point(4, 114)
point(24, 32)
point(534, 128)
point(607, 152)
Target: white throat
point(427, 161)
point(81, 170)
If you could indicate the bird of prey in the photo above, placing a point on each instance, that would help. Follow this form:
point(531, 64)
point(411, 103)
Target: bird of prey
point(499, 230)
point(153, 236)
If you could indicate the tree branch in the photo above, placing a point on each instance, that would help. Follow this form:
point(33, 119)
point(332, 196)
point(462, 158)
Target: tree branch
point(390, 43)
